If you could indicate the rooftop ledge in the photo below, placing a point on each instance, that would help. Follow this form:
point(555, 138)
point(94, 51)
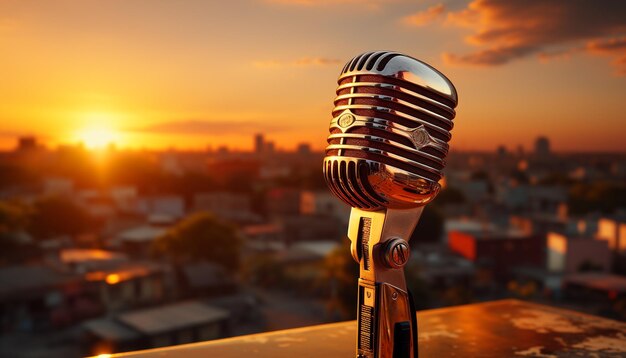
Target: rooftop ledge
point(503, 328)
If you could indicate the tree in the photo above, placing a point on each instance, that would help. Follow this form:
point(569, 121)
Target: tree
point(57, 215)
point(199, 237)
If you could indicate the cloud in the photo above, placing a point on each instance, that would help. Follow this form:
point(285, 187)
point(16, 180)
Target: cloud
point(425, 17)
point(213, 127)
point(302, 62)
point(514, 29)
point(614, 47)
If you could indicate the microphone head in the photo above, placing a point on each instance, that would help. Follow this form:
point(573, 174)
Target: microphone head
point(389, 133)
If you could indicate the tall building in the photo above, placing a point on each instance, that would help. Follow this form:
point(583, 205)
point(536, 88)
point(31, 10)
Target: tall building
point(542, 147)
point(26, 143)
point(259, 143)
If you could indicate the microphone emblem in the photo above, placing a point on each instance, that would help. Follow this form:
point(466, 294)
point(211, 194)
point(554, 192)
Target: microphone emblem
point(346, 120)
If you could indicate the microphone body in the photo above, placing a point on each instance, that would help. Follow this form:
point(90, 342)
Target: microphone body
point(385, 155)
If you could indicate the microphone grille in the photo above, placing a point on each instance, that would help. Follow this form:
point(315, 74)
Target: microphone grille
point(390, 131)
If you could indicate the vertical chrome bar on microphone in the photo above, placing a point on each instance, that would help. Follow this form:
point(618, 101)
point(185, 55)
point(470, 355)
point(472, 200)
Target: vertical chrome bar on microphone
point(386, 149)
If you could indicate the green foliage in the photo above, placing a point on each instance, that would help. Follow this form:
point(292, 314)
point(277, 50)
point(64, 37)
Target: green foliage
point(56, 215)
point(201, 237)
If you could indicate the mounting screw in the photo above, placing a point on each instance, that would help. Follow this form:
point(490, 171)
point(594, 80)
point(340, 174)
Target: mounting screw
point(397, 253)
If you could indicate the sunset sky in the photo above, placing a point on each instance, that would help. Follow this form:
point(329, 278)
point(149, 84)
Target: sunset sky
point(193, 74)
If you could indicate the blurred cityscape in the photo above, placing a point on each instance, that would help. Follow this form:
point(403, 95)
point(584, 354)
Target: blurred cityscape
point(110, 250)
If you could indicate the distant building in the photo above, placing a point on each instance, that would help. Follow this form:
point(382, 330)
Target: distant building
point(138, 240)
point(33, 297)
point(542, 147)
point(124, 198)
point(567, 254)
point(130, 284)
point(82, 261)
point(323, 202)
point(227, 170)
point(304, 149)
point(501, 151)
point(613, 230)
point(96, 203)
point(160, 326)
point(546, 199)
point(264, 237)
point(259, 143)
point(499, 251)
point(226, 205)
point(116, 281)
point(170, 163)
point(27, 143)
point(205, 279)
point(538, 224)
point(58, 186)
point(283, 201)
point(304, 261)
point(170, 205)
point(598, 292)
point(441, 269)
point(312, 228)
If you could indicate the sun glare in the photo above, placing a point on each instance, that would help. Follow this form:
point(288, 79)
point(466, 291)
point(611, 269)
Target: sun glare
point(98, 133)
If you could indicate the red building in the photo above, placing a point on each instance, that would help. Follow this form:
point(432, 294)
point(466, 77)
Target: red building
point(499, 252)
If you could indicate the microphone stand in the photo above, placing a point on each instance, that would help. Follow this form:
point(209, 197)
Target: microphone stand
point(387, 323)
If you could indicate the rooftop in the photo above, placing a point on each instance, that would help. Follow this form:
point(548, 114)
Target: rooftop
point(599, 281)
point(494, 329)
point(157, 320)
point(166, 318)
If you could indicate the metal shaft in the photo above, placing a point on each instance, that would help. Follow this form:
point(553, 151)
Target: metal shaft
point(386, 319)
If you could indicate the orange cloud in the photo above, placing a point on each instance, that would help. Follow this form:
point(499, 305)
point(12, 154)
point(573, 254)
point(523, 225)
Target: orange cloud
point(513, 29)
point(615, 47)
point(425, 17)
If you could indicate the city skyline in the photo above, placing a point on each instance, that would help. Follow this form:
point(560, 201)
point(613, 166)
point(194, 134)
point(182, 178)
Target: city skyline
point(158, 75)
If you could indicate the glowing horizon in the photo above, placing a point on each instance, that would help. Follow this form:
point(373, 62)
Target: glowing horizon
point(158, 75)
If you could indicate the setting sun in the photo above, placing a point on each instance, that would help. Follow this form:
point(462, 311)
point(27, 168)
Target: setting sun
point(97, 137)
point(98, 133)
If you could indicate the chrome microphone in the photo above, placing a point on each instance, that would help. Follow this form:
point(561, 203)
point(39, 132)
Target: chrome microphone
point(388, 140)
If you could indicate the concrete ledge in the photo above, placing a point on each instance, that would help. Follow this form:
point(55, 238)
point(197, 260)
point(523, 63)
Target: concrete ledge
point(506, 328)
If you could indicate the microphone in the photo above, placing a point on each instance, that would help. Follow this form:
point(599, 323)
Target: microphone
point(385, 156)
